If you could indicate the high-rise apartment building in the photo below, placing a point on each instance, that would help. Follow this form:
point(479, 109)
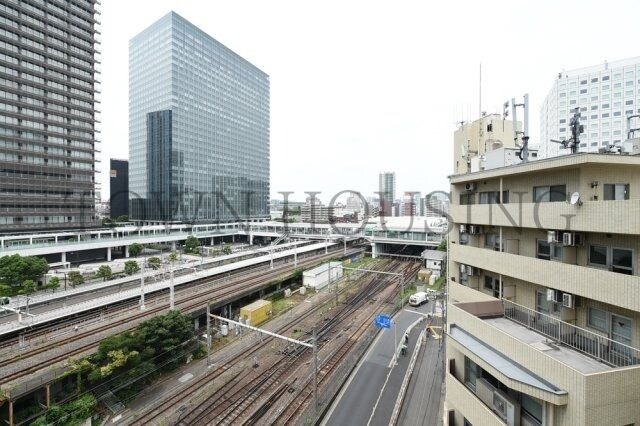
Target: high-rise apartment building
point(119, 188)
point(47, 114)
point(387, 192)
point(198, 128)
point(543, 312)
point(604, 95)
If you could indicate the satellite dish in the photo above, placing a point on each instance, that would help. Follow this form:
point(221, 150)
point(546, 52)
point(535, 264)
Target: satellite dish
point(575, 199)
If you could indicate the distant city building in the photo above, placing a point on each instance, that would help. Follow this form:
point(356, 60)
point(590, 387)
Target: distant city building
point(472, 140)
point(387, 192)
point(355, 203)
point(198, 128)
point(604, 94)
point(47, 79)
point(313, 211)
point(411, 204)
point(119, 188)
point(436, 204)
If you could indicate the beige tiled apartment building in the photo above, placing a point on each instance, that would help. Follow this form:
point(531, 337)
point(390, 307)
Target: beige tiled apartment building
point(543, 313)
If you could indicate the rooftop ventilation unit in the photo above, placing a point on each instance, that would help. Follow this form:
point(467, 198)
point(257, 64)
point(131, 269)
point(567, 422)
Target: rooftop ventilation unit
point(471, 186)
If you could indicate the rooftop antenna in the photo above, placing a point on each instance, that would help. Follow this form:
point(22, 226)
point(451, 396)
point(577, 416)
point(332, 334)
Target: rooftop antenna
point(480, 94)
point(521, 138)
point(576, 129)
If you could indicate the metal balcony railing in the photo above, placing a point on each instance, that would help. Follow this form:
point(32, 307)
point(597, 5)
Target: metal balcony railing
point(601, 348)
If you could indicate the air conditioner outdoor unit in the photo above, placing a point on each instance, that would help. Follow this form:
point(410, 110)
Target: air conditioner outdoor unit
point(568, 301)
point(506, 409)
point(463, 229)
point(471, 186)
point(551, 295)
point(485, 391)
point(471, 271)
point(475, 229)
point(553, 237)
point(463, 269)
point(571, 239)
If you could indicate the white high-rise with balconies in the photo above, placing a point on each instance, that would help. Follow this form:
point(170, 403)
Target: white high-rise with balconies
point(604, 94)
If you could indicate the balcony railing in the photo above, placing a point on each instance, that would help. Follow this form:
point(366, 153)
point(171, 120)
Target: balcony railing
point(592, 344)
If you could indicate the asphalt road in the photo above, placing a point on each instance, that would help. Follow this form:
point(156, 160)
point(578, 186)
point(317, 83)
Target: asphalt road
point(368, 389)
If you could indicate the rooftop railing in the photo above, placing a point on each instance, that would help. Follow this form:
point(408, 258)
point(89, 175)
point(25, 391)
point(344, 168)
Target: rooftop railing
point(603, 349)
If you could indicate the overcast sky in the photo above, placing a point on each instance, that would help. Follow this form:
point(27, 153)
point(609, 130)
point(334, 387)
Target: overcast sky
point(358, 87)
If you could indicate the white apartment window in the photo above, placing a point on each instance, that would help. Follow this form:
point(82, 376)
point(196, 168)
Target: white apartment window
point(597, 318)
point(547, 251)
point(605, 78)
point(616, 191)
point(550, 193)
point(616, 259)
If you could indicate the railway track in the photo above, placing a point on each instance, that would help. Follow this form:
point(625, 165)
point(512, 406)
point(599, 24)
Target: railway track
point(293, 410)
point(188, 302)
point(203, 410)
point(231, 404)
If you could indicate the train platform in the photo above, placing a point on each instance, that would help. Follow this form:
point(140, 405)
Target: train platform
point(370, 395)
point(132, 293)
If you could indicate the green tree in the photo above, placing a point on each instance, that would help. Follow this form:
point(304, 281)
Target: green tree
point(72, 413)
point(16, 269)
point(135, 249)
point(226, 249)
point(75, 278)
point(173, 257)
point(443, 245)
point(123, 218)
point(127, 362)
point(154, 262)
point(104, 272)
point(131, 267)
point(28, 287)
point(192, 245)
point(54, 283)
point(5, 290)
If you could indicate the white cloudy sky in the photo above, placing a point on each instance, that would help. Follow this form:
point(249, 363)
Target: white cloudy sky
point(363, 86)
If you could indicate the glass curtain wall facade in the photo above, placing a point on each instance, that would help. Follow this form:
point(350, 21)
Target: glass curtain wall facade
point(47, 114)
point(198, 128)
point(387, 192)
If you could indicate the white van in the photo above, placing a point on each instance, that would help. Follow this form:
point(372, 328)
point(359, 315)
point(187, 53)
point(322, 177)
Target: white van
point(418, 298)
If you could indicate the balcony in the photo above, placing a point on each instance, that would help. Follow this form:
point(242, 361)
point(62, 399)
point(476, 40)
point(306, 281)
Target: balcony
point(608, 287)
point(595, 392)
point(580, 349)
point(467, 403)
point(614, 217)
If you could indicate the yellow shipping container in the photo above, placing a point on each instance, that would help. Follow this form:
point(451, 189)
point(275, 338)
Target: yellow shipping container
point(257, 312)
point(424, 275)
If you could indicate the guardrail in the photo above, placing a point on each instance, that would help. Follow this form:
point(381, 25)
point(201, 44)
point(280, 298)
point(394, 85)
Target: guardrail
point(601, 348)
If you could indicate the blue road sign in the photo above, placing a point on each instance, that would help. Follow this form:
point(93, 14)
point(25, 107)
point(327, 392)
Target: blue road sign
point(383, 321)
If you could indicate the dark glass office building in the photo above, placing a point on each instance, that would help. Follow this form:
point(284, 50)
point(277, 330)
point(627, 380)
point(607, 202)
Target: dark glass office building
point(47, 114)
point(198, 128)
point(118, 188)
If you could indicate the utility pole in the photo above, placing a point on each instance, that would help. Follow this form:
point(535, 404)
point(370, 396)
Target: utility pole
point(208, 333)
point(142, 307)
point(171, 290)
